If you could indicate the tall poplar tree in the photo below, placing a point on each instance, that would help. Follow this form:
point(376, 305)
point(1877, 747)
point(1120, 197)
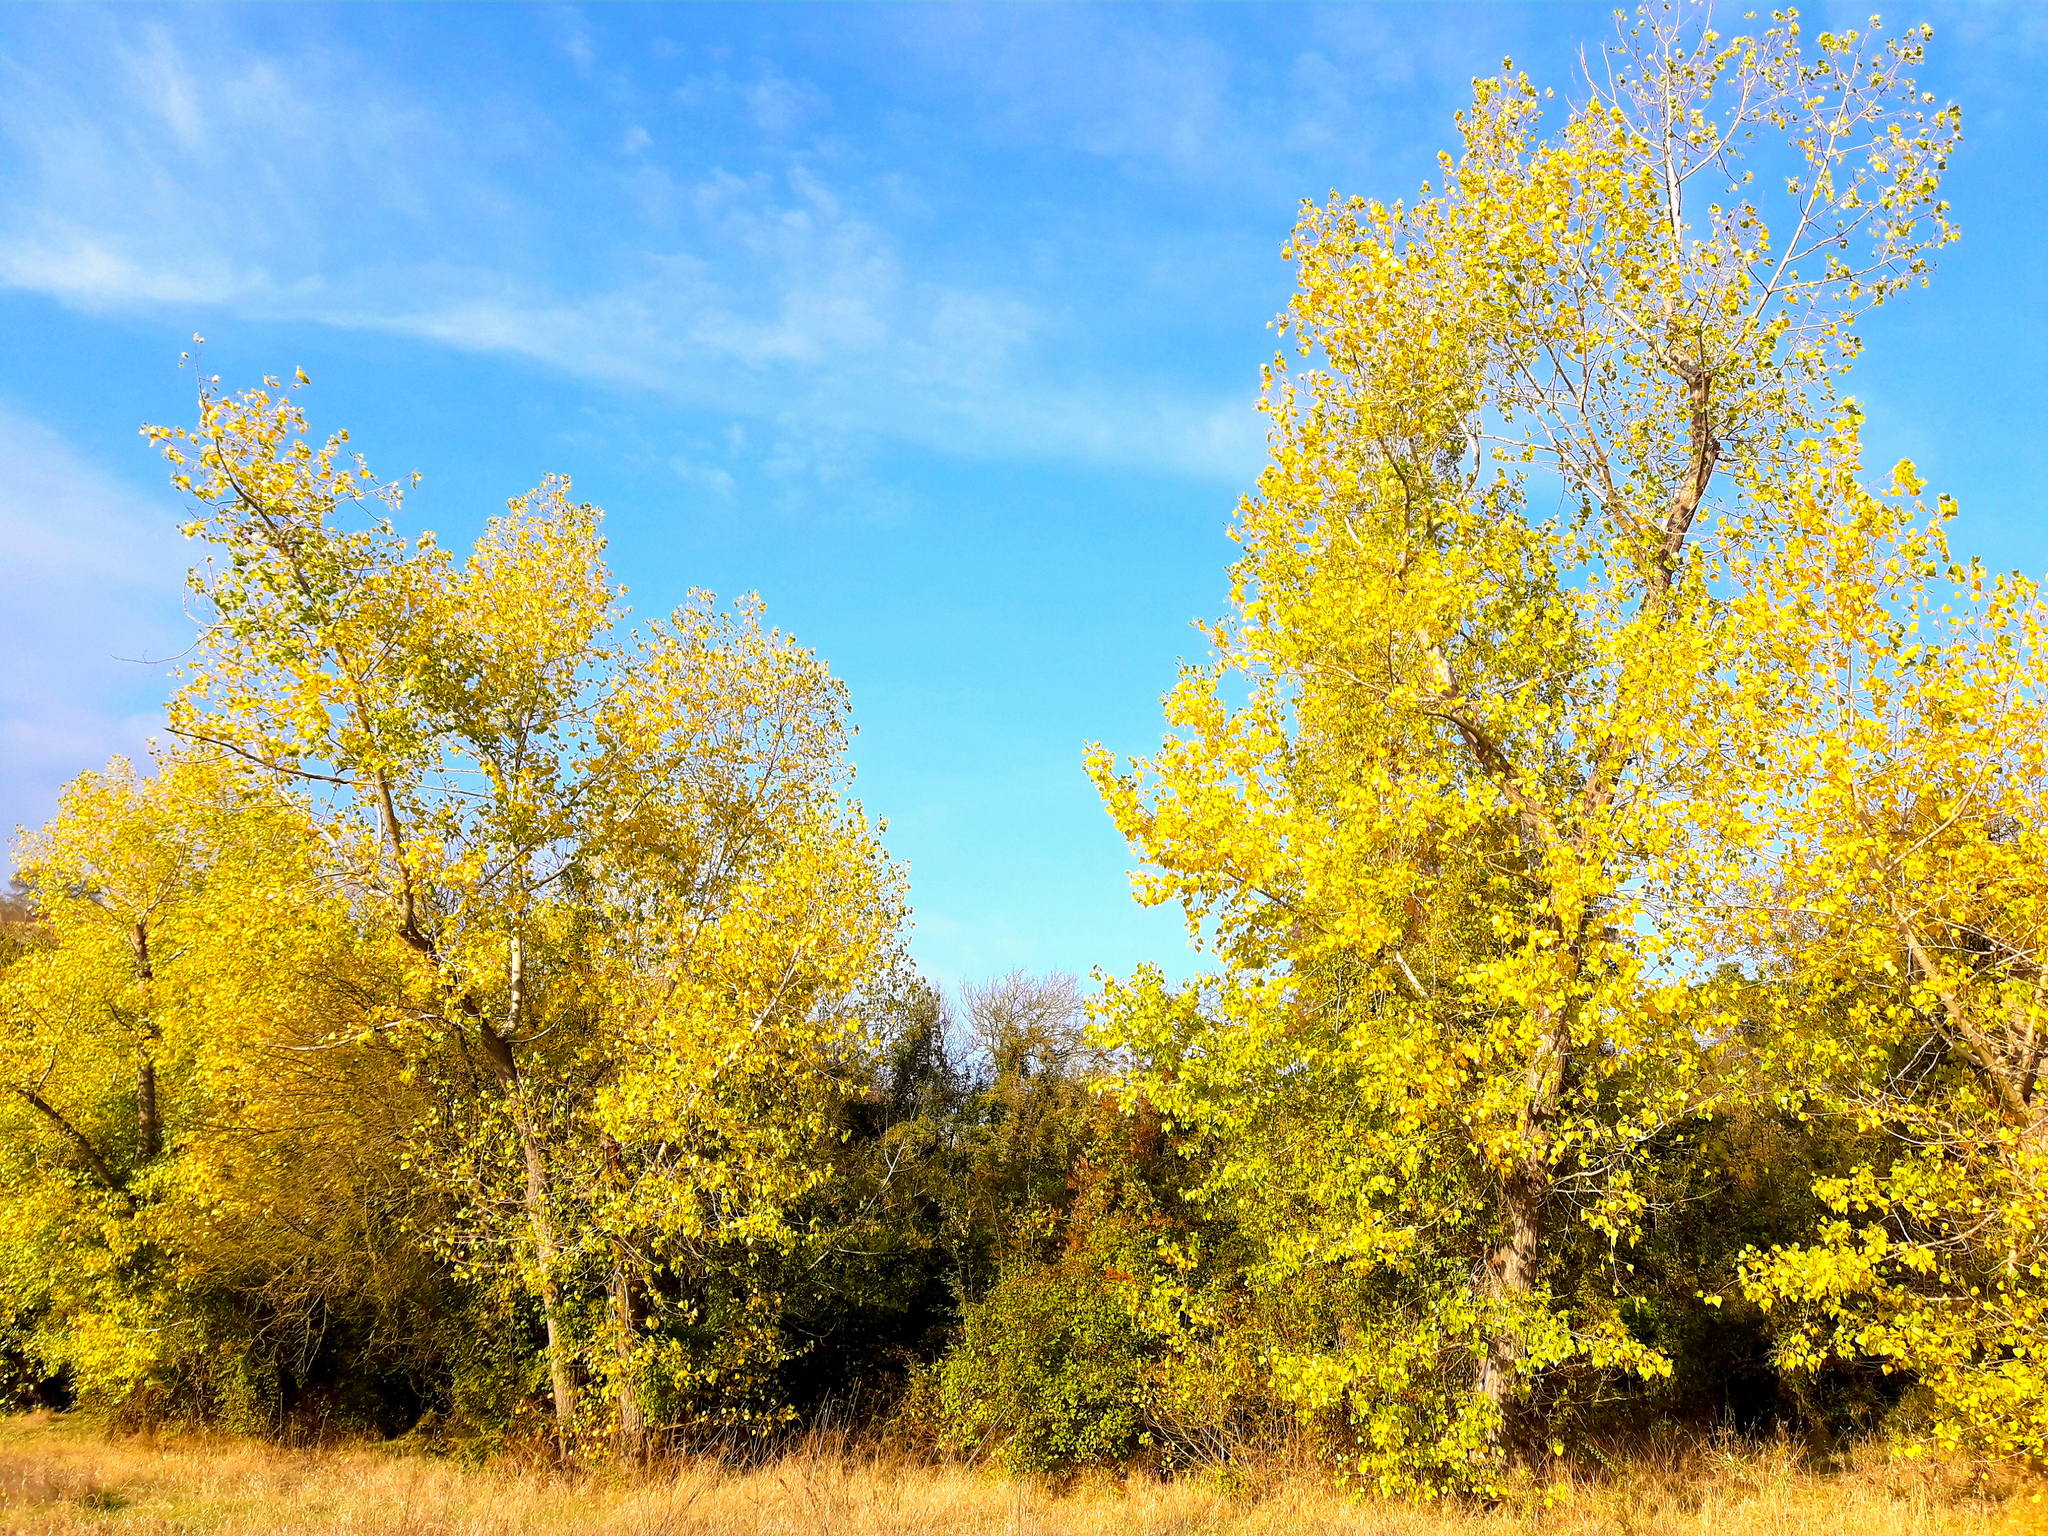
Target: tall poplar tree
point(1428, 800)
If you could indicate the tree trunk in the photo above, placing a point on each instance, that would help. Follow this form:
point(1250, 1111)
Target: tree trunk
point(625, 1316)
point(540, 1223)
point(1511, 1275)
point(1511, 1269)
point(540, 1220)
point(632, 1417)
point(149, 1128)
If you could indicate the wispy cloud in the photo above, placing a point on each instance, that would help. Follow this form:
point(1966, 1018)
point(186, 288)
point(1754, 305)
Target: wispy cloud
point(1225, 97)
point(91, 593)
point(199, 172)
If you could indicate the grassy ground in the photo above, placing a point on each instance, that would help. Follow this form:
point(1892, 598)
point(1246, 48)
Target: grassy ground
point(57, 1476)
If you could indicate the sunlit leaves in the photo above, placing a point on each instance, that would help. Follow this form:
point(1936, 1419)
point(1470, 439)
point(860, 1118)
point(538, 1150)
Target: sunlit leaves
point(1450, 796)
point(552, 938)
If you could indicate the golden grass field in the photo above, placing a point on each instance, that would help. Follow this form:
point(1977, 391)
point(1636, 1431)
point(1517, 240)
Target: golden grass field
point(60, 1476)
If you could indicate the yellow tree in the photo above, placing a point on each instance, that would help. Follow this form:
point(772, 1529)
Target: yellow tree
point(153, 1042)
point(115, 866)
point(639, 903)
point(725, 917)
point(1425, 798)
point(122, 875)
point(1897, 906)
point(83, 1051)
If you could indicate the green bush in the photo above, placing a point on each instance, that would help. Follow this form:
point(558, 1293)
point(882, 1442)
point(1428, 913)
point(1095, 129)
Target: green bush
point(1050, 1372)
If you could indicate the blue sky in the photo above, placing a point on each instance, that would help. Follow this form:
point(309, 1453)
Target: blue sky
point(939, 326)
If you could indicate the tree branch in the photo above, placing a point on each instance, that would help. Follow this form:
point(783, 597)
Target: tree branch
point(97, 1163)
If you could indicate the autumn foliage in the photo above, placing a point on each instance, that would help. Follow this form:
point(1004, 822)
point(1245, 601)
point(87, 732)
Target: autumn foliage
point(1612, 816)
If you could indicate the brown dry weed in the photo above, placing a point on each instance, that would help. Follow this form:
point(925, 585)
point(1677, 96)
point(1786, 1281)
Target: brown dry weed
point(59, 1476)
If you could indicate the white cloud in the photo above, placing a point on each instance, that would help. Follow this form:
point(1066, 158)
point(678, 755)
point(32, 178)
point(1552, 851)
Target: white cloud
point(310, 186)
point(1192, 102)
point(709, 477)
point(82, 271)
point(91, 590)
point(167, 86)
point(575, 39)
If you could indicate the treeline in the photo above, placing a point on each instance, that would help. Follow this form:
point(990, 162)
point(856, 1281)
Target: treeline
point(1616, 828)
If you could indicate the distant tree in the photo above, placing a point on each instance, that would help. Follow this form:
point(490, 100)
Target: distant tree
point(17, 921)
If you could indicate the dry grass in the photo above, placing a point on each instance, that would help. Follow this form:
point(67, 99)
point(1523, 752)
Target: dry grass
point(57, 1476)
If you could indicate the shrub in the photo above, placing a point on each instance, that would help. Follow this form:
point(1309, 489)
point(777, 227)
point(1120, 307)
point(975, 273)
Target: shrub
point(1050, 1372)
